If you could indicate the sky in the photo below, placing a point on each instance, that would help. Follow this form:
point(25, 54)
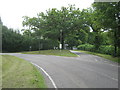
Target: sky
point(12, 11)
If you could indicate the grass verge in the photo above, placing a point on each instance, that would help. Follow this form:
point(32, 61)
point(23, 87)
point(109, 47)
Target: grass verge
point(0, 72)
point(109, 57)
point(53, 52)
point(18, 73)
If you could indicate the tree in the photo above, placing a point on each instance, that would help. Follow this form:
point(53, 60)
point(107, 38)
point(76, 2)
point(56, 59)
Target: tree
point(56, 24)
point(0, 35)
point(11, 40)
point(91, 19)
point(73, 40)
point(108, 13)
point(83, 36)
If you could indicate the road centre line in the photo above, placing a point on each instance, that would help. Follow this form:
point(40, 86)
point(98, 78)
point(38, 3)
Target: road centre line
point(46, 75)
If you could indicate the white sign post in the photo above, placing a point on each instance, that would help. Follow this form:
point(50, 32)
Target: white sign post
point(60, 46)
point(30, 48)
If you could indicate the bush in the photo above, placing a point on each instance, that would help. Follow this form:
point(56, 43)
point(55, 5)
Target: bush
point(104, 49)
point(87, 47)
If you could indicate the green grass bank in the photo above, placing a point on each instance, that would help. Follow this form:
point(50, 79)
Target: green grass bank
point(66, 53)
point(18, 73)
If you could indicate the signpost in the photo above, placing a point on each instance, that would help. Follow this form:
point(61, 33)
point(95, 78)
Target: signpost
point(30, 48)
point(60, 46)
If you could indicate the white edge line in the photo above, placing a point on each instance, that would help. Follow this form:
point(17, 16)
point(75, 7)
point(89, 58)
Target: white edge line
point(74, 53)
point(46, 75)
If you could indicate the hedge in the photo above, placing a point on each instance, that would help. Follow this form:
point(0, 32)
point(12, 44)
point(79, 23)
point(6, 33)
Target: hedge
point(86, 47)
point(104, 49)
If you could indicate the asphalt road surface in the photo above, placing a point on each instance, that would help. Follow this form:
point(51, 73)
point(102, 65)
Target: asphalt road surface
point(86, 71)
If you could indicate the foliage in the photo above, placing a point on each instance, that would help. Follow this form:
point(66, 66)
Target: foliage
point(104, 49)
point(96, 26)
point(11, 40)
point(72, 40)
point(56, 24)
point(87, 47)
point(107, 49)
point(109, 20)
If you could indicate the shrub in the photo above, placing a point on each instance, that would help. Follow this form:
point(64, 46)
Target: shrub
point(87, 47)
point(104, 49)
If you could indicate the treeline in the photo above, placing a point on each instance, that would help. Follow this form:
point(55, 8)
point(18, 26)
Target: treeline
point(13, 41)
point(94, 29)
point(98, 26)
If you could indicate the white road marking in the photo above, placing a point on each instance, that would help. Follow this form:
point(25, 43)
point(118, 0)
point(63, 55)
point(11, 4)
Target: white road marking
point(46, 74)
point(96, 60)
point(74, 53)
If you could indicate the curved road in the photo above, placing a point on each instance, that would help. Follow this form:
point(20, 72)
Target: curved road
point(86, 71)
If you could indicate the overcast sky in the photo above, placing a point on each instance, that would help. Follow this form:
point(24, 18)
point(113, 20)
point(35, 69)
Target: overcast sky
point(11, 11)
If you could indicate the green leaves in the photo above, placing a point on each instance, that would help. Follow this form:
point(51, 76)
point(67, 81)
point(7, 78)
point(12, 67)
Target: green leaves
point(106, 13)
point(11, 40)
point(67, 19)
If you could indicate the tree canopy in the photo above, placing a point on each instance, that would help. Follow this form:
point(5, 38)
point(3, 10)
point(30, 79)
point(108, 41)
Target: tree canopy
point(97, 26)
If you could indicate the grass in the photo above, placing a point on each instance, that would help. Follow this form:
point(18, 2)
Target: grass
point(109, 57)
point(53, 52)
point(18, 73)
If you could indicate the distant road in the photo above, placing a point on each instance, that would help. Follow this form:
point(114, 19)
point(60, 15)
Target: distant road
point(86, 71)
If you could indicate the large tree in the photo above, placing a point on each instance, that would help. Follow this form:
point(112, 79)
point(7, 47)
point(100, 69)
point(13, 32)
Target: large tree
point(109, 15)
point(0, 34)
point(56, 24)
point(91, 19)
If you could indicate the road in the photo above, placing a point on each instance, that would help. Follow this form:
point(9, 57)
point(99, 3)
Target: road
point(86, 71)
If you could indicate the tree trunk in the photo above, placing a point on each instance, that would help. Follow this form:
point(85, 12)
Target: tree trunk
point(118, 41)
point(62, 41)
point(118, 32)
point(97, 41)
point(115, 43)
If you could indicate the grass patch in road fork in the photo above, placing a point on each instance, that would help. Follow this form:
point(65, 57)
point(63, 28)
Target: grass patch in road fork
point(66, 53)
point(18, 73)
point(109, 57)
